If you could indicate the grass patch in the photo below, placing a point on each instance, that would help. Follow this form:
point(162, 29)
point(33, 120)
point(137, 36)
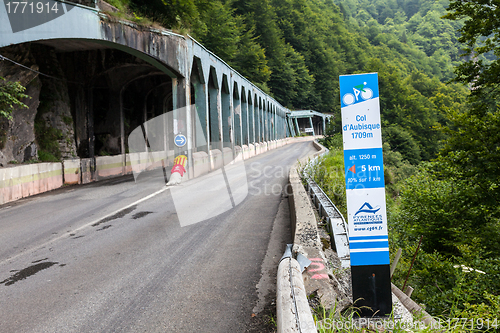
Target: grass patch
point(67, 120)
point(48, 141)
point(126, 14)
point(328, 173)
point(44, 156)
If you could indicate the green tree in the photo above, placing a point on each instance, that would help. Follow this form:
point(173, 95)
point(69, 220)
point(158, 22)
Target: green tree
point(225, 33)
point(222, 30)
point(403, 142)
point(11, 94)
point(471, 156)
point(250, 59)
point(173, 14)
point(481, 35)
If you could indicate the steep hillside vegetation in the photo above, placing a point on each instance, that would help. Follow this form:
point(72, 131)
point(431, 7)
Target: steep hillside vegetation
point(451, 203)
point(296, 50)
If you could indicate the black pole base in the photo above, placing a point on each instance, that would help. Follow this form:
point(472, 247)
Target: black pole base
point(371, 290)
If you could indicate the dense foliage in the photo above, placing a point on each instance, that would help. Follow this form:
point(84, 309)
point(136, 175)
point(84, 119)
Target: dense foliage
point(11, 94)
point(296, 49)
point(441, 144)
point(452, 202)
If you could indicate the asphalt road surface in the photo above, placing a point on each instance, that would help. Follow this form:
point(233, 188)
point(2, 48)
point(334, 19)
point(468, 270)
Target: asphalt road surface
point(116, 255)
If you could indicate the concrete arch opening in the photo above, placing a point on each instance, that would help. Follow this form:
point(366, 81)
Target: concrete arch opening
point(200, 112)
point(89, 98)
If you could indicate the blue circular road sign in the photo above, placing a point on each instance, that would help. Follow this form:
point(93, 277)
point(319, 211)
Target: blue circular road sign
point(180, 140)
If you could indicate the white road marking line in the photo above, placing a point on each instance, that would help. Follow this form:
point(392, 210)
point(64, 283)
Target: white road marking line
point(83, 226)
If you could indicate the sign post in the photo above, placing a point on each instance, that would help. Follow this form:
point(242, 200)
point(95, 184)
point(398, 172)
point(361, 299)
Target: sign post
point(365, 191)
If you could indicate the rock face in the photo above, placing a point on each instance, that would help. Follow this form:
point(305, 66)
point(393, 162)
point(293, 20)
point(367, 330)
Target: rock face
point(53, 119)
point(17, 137)
point(48, 106)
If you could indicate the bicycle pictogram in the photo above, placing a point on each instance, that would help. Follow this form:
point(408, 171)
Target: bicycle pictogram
point(359, 91)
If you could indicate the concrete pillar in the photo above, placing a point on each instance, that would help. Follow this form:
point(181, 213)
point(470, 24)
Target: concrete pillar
point(181, 119)
point(291, 129)
point(90, 131)
point(312, 126)
point(237, 120)
point(266, 122)
point(280, 123)
point(184, 98)
point(175, 115)
point(122, 131)
point(251, 118)
point(258, 121)
point(168, 125)
point(271, 123)
point(245, 120)
point(276, 125)
point(226, 119)
point(283, 125)
point(261, 123)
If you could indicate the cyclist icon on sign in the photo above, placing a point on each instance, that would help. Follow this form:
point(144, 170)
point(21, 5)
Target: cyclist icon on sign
point(359, 90)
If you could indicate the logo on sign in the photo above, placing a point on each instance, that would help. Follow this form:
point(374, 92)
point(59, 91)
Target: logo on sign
point(367, 208)
point(359, 92)
point(367, 214)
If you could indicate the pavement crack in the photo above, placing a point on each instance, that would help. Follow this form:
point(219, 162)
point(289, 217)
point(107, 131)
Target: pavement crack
point(140, 214)
point(37, 261)
point(105, 227)
point(27, 272)
point(118, 215)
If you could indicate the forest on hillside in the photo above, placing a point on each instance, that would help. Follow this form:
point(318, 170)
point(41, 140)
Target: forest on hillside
point(295, 50)
point(438, 75)
point(448, 199)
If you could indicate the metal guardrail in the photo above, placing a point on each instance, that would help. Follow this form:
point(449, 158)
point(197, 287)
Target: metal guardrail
point(335, 221)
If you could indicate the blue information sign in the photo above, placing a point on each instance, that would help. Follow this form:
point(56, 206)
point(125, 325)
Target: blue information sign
point(180, 140)
point(365, 192)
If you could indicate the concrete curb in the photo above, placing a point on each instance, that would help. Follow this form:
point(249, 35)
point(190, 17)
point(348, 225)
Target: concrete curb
point(292, 308)
point(27, 180)
point(317, 278)
point(22, 181)
point(293, 313)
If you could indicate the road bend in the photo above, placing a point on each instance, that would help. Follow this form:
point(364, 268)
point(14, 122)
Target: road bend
point(114, 256)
